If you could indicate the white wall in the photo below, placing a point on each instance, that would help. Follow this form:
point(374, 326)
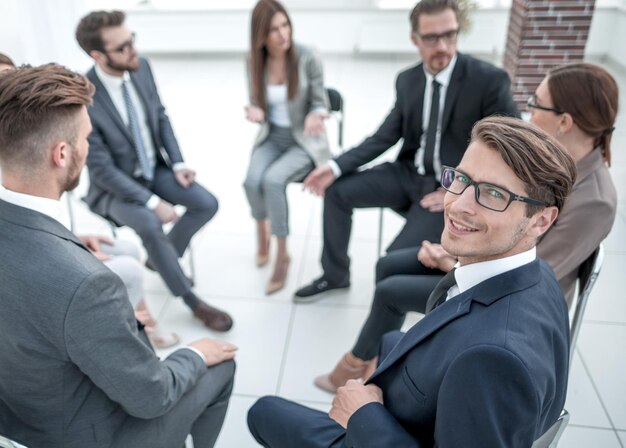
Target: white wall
point(39, 31)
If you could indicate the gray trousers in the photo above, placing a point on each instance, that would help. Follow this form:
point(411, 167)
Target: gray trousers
point(200, 413)
point(164, 250)
point(274, 164)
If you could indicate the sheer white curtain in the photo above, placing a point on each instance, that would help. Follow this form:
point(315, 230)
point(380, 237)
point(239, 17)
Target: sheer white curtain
point(40, 31)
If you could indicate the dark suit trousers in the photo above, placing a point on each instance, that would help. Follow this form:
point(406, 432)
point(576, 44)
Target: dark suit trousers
point(165, 250)
point(396, 185)
point(403, 284)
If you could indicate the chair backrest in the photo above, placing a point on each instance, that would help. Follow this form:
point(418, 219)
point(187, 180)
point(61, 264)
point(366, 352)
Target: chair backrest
point(587, 275)
point(336, 106)
point(551, 437)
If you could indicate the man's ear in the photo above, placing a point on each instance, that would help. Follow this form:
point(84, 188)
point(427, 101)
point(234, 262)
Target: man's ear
point(543, 220)
point(97, 56)
point(60, 154)
point(566, 123)
point(413, 38)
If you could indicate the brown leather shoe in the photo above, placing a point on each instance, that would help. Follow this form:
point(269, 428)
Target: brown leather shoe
point(212, 317)
point(349, 368)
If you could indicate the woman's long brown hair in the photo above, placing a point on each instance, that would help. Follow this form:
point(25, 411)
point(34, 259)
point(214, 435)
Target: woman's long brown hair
point(262, 16)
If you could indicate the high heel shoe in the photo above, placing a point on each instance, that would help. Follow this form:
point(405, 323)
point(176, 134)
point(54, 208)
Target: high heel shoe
point(349, 368)
point(279, 277)
point(262, 259)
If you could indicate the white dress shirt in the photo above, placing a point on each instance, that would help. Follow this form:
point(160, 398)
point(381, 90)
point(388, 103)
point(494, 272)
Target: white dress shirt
point(470, 275)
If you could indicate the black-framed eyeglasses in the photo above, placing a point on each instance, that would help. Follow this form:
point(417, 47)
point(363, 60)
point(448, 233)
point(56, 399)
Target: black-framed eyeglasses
point(532, 103)
point(430, 40)
point(124, 47)
point(488, 195)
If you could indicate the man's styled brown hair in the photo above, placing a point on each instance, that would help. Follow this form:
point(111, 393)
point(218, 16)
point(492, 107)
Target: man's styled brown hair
point(590, 95)
point(434, 7)
point(260, 23)
point(38, 107)
point(88, 32)
point(535, 157)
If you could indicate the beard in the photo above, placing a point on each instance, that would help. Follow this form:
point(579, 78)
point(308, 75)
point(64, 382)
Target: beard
point(73, 175)
point(130, 65)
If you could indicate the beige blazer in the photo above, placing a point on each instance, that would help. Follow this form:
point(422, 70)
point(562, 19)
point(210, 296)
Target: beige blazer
point(585, 220)
point(311, 96)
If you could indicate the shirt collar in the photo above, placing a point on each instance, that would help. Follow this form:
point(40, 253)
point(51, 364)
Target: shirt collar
point(472, 274)
point(588, 164)
point(48, 207)
point(443, 77)
point(111, 82)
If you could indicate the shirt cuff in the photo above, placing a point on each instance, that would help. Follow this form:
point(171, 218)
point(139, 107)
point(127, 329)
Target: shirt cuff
point(153, 202)
point(197, 352)
point(179, 166)
point(335, 168)
point(321, 110)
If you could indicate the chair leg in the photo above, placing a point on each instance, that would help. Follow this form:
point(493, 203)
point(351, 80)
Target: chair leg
point(380, 232)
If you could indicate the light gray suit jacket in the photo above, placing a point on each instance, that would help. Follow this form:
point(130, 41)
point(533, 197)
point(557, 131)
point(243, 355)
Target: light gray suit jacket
point(74, 365)
point(311, 96)
point(586, 219)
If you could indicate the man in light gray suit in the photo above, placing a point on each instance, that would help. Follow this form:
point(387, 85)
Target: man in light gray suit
point(136, 169)
point(77, 371)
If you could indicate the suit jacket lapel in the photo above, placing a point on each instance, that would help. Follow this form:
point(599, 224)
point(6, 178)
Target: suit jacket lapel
point(456, 81)
point(418, 91)
point(485, 293)
point(103, 98)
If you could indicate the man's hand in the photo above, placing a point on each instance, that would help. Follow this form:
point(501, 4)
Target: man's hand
point(92, 242)
point(435, 256)
point(215, 351)
point(433, 202)
point(254, 114)
point(314, 124)
point(185, 177)
point(165, 212)
point(319, 179)
point(352, 397)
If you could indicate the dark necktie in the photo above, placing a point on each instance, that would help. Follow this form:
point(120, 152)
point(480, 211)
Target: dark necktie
point(431, 133)
point(133, 124)
point(440, 291)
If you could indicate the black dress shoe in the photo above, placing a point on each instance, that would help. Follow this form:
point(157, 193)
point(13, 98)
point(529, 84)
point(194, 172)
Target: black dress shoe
point(212, 317)
point(311, 293)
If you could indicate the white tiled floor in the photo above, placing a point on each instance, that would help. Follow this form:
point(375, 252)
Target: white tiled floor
point(284, 346)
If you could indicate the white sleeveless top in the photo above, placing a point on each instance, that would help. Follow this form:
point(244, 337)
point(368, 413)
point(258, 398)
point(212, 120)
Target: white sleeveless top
point(277, 105)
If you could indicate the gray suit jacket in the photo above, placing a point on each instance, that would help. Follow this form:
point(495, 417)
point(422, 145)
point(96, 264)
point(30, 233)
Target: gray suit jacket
point(586, 219)
point(311, 95)
point(74, 365)
point(112, 158)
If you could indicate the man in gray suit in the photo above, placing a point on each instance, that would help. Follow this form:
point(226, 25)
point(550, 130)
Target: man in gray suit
point(77, 371)
point(135, 166)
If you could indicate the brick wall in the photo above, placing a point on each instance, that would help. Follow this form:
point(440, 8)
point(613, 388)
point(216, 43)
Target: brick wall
point(543, 34)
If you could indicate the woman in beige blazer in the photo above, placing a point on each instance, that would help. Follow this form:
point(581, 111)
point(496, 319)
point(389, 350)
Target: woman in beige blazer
point(288, 99)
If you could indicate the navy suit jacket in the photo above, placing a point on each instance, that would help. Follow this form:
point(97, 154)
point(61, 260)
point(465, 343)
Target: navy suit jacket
point(488, 368)
point(477, 90)
point(112, 158)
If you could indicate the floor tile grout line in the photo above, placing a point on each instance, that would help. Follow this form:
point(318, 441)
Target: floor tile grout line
point(597, 391)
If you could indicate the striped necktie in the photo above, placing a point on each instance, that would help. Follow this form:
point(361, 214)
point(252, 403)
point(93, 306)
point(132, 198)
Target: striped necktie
point(133, 124)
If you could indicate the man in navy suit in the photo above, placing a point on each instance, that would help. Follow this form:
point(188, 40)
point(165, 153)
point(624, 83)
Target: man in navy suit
point(437, 103)
point(136, 170)
point(487, 366)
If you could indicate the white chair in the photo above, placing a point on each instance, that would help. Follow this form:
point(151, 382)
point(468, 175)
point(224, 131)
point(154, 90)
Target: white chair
point(587, 275)
point(8, 443)
point(551, 437)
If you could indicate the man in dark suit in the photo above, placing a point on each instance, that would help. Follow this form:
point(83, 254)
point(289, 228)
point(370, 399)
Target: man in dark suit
point(77, 371)
point(437, 103)
point(136, 169)
point(487, 366)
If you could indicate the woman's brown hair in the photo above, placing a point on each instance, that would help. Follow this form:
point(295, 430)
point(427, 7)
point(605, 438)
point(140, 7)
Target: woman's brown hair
point(260, 24)
point(590, 95)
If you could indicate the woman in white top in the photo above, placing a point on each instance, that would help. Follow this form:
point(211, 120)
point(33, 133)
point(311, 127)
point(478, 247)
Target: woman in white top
point(288, 99)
